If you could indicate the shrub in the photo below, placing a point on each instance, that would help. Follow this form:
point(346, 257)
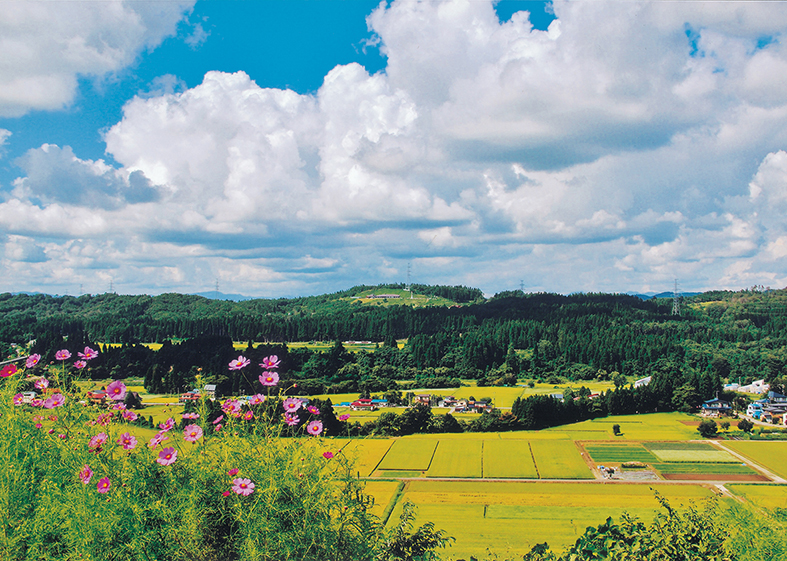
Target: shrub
point(708, 428)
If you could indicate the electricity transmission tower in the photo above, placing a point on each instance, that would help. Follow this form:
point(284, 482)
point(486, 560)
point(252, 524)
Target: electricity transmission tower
point(675, 300)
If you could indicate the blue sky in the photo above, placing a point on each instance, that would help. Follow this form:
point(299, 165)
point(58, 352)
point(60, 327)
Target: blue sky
point(290, 148)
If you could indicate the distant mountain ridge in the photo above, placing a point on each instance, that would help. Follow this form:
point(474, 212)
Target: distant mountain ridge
point(651, 295)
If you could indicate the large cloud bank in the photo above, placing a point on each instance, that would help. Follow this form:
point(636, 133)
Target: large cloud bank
point(619, 149)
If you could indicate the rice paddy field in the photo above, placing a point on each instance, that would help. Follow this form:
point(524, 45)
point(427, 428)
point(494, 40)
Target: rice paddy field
point(771, 455)
point(507, 519)
point(764, 496)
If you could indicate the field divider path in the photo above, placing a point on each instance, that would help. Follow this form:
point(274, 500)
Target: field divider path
point(376, 467)
point(709, 483)
point(434, 451)
point(482, 467)
point(766, 472)
point(530, 447)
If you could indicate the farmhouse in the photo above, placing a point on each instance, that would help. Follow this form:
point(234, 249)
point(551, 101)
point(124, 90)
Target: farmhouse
point(422, 399)
point(716, 407)
point(192, 395)
point(363, 404)
point(98, 397)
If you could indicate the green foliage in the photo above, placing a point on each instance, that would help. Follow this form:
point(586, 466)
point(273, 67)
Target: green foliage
point(745, 425)
point(403, 545)
point(714, 532)
point(708, 428)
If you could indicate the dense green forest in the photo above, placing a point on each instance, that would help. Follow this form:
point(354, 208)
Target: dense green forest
point(718, 336)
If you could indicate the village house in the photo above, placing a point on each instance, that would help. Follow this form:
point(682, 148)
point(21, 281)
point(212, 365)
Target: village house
point(363, 404)
point(716, 408)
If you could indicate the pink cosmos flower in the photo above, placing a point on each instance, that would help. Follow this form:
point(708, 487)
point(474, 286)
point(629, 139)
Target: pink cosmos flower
point(269, 378)
point(257, 399)
point(167, 425)
point(80, 364)
point(63, 355)
point(248, 415)
point(37, 402)
point(116, 390)
point(158, 439)
point(233, 471)
point(344, 417)
point(291, 404)
point(192, 433)
point(243, 486)
point(327, 455)
point(217, 428)
point(314, 428)
point(130, 416)
point(32, 360)
point(8, 370)
point(39, 426)
point(97, 440)
point(218, 419)
point(232, 407)
point(313, 410)
point(85, 474)
point(291, 419)
point(19, 399)
point(55, 400)
point(127, 441)
point(41, 384)
point(103, 485)
point(88, 354)
point(190, 415)
point(239, 363)
point(167, 456)
point(51, 431)
point(270, 362)
point(119, 406)
point(225, 494)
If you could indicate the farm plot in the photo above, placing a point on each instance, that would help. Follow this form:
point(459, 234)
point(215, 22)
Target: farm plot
point(653, 426)
point(457, 458)
point(771, 455)
point(409, 455)
point(382, 492)
point(511, 517)
point(696, 456)
point(765, 496)
point(367, 453)
point(508, 459)
point(559, 459)
point(619, 453)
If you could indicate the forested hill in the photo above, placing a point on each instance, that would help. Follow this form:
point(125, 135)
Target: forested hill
point(513, 336)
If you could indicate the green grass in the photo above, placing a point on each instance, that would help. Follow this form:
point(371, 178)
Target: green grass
point(715, 469)
point(696, 456)
point(508, 459)
point(684, 446)
point(619, 453)
point(409, 454)
point(559, 459)
point(456, 458)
